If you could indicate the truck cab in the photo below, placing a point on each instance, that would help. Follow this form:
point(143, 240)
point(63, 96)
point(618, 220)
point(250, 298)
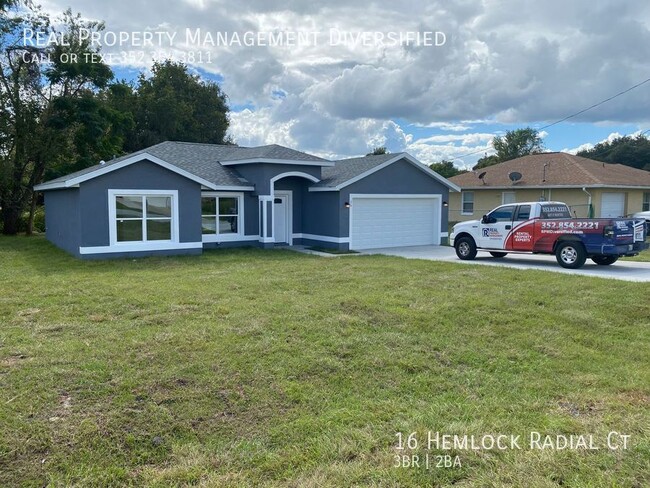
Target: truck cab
point(548, 228)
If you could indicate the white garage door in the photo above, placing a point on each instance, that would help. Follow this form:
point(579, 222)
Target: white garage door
point(612, 205)
point(390, 222)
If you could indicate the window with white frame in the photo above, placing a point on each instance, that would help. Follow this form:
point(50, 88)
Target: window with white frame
point(508, 197)
point(646, 202)
point(143, 216)
point(467, 202)
point(221, 214)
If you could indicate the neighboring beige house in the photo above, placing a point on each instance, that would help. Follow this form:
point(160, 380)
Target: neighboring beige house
point(589, 187)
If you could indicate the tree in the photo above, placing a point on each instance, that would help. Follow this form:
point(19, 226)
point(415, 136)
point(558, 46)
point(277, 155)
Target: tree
point(6, 4)
point(378, 150)
point(49, 114)
point(446, 169)
point(174, 104)
point(630, 151)
point(486, 161)
point(514, 144)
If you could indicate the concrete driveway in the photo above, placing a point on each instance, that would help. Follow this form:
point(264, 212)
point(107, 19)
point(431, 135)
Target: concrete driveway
point(621, 270)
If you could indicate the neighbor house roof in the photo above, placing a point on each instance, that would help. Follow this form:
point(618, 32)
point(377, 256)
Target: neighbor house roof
point(555, 169)
point(347, 171)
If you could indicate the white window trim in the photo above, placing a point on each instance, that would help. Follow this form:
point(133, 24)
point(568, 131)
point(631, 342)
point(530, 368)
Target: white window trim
point(462, 202)
point(239, 236)
point(128, 246)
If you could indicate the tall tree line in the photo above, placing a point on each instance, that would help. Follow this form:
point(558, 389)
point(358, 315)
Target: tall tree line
point(70, 112)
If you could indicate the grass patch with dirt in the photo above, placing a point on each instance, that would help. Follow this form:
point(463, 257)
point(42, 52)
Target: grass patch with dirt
point(246, 367)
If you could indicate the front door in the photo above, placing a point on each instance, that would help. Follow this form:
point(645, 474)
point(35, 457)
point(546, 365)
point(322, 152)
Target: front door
point(280, 227)
point(496, 228)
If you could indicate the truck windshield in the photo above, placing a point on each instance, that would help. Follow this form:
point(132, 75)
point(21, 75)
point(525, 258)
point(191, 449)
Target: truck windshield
point(555, 212)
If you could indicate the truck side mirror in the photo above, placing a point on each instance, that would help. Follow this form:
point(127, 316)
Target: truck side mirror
point(488, 220)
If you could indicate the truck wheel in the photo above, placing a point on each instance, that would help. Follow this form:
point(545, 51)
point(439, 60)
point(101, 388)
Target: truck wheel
point(570, 254)
point(604, 260)
point(466, 248)
point(498, 254)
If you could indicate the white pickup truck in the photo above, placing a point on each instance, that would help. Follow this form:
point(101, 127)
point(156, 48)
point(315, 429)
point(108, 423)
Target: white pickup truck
point(548, 228)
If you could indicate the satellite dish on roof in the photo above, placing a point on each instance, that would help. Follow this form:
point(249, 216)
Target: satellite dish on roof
point(514, 176)
point(481, 176)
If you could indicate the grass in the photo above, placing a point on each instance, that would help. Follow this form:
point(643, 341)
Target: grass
point(643, 256)
point(272, 368)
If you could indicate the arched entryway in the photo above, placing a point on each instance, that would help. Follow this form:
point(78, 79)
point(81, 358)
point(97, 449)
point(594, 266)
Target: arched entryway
point(278, 210)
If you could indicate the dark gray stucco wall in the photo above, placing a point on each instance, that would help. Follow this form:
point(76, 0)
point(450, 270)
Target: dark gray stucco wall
point(62, 219)
point(260, 174)
point(321, 213)
point(297, 186)
point(143, 175)
point(400, 177)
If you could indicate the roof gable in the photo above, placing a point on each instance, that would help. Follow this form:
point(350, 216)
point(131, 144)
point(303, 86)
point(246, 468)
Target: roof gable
point(75, 179)
point(207, 164)
point(348, 171)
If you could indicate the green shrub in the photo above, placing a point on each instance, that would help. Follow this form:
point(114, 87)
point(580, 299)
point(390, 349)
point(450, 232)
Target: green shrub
point(39, 220)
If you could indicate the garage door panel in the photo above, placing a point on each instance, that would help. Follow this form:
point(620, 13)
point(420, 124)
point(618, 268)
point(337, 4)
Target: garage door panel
point(390, 222)
point(612, 205)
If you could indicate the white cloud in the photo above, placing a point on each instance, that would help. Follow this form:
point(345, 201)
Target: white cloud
point(453, 127)
point(297, 124)
point(588, 145)
point(537, 62)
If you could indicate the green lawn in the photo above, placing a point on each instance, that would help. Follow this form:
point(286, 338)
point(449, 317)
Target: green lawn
point(272, 368)
point(643, 256)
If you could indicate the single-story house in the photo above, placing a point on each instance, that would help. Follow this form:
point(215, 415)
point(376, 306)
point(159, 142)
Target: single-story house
point(591, 188)
point(181, 198)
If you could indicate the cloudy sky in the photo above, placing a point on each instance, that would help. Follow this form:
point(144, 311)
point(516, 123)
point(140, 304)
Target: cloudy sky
point(505, 64)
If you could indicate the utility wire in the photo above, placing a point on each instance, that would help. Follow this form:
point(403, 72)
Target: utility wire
point(459, 156)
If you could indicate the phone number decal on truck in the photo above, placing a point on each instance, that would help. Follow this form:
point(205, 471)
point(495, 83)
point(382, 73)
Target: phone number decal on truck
point(570, 224)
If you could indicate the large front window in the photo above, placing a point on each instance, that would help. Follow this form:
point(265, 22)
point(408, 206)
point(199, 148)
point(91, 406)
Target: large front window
point(221, 215)
point(646, 202)
point(143, 217)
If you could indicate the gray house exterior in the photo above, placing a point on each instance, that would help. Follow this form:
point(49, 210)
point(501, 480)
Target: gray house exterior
point(181, 198)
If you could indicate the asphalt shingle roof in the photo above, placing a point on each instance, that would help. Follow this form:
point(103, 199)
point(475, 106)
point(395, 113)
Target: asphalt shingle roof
point(204, 160)
point(562, 169)
point(346, 169)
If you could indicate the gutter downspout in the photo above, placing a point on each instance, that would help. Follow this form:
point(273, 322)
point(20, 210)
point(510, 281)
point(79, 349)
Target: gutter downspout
point(591, 213)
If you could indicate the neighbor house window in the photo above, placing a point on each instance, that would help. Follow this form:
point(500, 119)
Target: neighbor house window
point(507, 197)
point(221, 215)
point(143, 217)
point(467, 202)
point(646, 201)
